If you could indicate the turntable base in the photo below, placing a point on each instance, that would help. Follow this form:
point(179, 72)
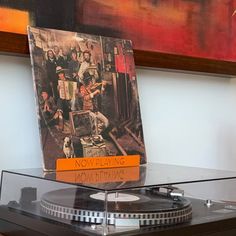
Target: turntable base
point(14, 223)
point(34, 205)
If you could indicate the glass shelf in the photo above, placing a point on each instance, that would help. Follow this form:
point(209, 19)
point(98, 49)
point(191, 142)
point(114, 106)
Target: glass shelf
point(151, 174)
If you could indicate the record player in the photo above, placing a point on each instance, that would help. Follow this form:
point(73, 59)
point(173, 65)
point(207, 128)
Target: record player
point(146, 200)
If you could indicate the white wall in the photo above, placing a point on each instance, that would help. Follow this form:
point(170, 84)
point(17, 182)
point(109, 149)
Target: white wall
point(19, 135)
point(188, 119)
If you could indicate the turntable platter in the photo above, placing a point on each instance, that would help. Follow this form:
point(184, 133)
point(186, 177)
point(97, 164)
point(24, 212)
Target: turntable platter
point(87, 206)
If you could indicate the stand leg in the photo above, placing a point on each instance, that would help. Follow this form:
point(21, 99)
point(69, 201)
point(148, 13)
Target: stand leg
point(105, 221)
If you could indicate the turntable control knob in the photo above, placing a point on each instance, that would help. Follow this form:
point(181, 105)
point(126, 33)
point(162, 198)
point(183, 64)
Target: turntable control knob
point(208, 203)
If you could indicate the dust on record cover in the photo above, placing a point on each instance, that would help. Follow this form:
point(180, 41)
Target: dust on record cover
point(87, 97)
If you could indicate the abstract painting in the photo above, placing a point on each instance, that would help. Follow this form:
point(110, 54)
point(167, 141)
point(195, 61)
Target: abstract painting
point(198, 29)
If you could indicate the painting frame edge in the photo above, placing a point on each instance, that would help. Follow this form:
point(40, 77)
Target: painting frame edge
point(17, 44)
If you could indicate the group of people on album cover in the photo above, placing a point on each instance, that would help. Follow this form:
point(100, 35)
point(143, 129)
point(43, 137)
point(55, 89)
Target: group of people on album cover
point(83, 87)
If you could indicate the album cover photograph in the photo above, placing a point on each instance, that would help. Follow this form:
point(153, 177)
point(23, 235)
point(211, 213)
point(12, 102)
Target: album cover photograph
point(86, 96)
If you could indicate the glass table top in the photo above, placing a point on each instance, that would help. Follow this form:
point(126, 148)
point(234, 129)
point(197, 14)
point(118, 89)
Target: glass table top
point(151, 174)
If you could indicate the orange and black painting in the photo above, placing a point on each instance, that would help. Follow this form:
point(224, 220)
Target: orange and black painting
point(198, 28)
point(16, 15)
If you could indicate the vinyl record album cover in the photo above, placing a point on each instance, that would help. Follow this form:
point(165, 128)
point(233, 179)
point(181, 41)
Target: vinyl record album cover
point(87, 96)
